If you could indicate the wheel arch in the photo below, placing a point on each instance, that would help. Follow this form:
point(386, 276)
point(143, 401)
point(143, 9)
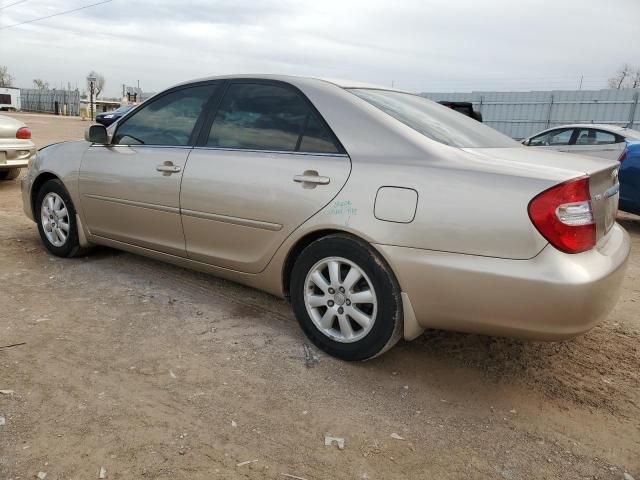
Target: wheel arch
point(311, 237)
point(40, 180)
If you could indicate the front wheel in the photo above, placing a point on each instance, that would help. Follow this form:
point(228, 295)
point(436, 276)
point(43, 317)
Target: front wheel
point(56, 218)
point(346, 298)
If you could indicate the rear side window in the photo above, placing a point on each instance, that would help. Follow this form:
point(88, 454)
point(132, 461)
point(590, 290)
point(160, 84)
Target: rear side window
point(268, 117)
point(316, 137)
point(552, 138)
point(589, 136)
point(169, 120)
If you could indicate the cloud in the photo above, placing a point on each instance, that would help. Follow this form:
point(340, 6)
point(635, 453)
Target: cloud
point(419, 45)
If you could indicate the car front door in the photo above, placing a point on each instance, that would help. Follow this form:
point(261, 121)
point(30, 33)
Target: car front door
point(598, 143)
point(130, 188)
point(558, 139)
point(265, 162)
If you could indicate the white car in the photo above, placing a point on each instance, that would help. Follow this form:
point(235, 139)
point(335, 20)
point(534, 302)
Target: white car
point(605, 141)
point(16, 147)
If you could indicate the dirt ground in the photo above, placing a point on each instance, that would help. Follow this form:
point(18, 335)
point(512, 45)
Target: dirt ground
point(152, 371)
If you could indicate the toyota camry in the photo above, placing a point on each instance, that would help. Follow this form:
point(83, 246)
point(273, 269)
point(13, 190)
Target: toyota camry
point(377, 212)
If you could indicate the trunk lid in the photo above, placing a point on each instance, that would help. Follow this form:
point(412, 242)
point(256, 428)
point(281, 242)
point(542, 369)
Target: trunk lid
point(558, 166)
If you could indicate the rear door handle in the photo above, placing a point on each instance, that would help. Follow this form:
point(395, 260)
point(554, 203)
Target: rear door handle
point(311, 178)
point(168, 168)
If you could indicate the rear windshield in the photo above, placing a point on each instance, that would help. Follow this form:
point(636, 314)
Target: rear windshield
point(629, 133)
point(435, 121)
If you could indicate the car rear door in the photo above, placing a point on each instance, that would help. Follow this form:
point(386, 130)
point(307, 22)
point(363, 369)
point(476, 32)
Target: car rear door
point(130, 189)
point(266, 162)
point(598, 143)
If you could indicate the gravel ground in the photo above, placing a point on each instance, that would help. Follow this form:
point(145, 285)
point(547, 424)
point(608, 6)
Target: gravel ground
point(152, 371)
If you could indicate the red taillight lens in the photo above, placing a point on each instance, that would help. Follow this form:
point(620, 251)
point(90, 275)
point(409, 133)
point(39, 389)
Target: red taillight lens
point(562, 214)
point(23, 133)
point(623, 156)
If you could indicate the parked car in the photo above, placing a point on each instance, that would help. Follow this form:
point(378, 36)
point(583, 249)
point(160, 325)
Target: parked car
point(606, 141)
point(630, 178)
point(107, 118)
point(16, 147)
point(466, 108)
point(378, 213)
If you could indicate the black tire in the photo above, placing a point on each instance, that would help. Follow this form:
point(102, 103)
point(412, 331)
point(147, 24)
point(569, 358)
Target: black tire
point(71, 246)
point(388, 321)
point(10, 174)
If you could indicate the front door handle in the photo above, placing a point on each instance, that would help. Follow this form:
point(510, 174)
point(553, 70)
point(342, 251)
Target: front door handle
point(310, 179)
point(167, 168)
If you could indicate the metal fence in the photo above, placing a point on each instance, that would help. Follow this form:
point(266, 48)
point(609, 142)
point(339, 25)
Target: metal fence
point(62, 102)
point(521, 114)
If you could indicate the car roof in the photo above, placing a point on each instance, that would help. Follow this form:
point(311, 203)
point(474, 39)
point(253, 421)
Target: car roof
point(601, 126)
point(295, 79)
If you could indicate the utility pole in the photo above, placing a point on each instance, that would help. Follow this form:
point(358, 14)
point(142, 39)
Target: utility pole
point(581, 77)
point(92, 84)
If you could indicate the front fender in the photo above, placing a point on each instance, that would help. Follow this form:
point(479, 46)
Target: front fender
point(61, 160)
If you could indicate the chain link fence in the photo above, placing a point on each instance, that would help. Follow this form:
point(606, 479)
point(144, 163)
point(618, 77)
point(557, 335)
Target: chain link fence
point(60, 102)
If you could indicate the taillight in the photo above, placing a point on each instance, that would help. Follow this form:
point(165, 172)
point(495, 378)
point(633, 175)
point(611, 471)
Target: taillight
point(23, 133)
point(623, 155)
point(563, 215)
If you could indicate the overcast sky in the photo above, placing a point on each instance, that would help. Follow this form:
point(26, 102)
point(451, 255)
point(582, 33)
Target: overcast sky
point(449, 45)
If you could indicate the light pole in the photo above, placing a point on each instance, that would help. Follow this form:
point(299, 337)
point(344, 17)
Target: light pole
point(92, 85)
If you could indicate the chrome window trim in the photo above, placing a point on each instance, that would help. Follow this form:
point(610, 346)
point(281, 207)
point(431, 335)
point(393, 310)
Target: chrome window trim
point(140, 145)
point(288, 152)
point(226, 149)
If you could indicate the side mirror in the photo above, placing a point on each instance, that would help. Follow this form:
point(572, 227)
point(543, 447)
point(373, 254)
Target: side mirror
point(96, 134)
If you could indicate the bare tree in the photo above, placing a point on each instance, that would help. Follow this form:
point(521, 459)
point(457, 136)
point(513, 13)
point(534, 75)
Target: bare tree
point(40, 84)
point(622, 77)
point(635, 80)
point(5, 79)
point(98, 85)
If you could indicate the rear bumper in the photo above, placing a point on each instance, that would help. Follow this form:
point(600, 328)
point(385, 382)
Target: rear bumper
point(11, 164)
point(549, 297)
point(16, 154)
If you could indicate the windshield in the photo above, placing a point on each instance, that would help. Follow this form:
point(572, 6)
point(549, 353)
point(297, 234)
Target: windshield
point(435, 121)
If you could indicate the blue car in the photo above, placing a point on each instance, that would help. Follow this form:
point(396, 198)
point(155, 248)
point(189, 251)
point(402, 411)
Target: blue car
point(107, 118)
point(629, 177)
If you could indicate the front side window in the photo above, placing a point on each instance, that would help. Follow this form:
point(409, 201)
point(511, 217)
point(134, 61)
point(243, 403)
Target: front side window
point(589, 136)
point(553, 138)
point(169, 120)
point(435, 121)
point(267, 117)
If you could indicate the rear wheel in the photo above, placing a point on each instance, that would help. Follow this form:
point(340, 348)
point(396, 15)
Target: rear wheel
point(10, 174)
point(56, 218)
point(346, 298)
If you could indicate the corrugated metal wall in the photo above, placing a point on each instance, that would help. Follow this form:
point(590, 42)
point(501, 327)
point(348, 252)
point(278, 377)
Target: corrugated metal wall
point(35, 100)
point(521, 114)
